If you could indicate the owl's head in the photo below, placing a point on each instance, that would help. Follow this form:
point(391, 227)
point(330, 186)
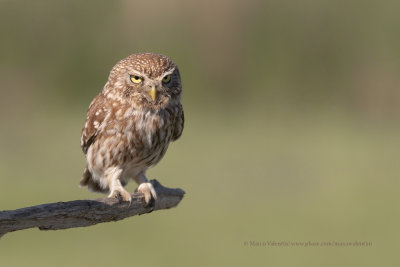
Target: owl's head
point(147, 80)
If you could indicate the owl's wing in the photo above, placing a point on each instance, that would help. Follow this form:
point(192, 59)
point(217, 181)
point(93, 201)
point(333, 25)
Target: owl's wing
point(94, 120)
point(179, 123)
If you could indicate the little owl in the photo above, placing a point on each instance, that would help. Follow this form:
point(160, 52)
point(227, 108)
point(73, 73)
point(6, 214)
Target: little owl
point(130, 124)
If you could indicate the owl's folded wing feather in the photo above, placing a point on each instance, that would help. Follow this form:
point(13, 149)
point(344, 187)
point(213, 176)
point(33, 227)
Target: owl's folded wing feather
point(95, 117)
point(179, 123)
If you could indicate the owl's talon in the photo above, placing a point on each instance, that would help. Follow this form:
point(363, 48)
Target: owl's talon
point(122, 195)
point(147, 189)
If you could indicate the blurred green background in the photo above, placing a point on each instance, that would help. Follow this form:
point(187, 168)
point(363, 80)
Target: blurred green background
point(292, 129)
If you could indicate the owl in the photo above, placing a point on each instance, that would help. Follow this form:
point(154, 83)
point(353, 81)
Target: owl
point(130, 124)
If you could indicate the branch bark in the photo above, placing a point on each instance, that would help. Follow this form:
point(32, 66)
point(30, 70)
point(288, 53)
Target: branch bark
point(82, 213)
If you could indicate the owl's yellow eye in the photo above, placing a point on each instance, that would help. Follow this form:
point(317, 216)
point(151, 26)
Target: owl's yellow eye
point(166, 79)
point(136, 79)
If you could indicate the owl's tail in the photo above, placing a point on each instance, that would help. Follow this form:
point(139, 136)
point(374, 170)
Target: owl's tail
point(93, 185)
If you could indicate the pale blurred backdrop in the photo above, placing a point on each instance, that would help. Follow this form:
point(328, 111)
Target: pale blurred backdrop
point(292, 129)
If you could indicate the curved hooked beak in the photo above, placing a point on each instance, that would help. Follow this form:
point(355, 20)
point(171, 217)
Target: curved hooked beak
point(153, 92)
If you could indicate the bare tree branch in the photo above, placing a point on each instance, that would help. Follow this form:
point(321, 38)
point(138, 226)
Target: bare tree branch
point(81, 213)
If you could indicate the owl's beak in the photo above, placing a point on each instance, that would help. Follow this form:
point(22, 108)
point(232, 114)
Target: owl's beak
point(153, 92)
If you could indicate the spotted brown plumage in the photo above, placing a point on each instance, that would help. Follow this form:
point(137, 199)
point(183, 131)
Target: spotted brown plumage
point(130, 124)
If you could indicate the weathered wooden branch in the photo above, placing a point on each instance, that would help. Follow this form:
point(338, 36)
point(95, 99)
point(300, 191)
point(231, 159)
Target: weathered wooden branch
point(81, 213)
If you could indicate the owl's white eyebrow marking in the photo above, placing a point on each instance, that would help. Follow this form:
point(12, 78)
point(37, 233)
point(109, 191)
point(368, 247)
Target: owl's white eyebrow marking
point(169, 72)
point(134, 72)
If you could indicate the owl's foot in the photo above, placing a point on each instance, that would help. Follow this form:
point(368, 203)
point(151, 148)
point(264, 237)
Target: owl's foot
point(147, 189)
point(121, 194)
